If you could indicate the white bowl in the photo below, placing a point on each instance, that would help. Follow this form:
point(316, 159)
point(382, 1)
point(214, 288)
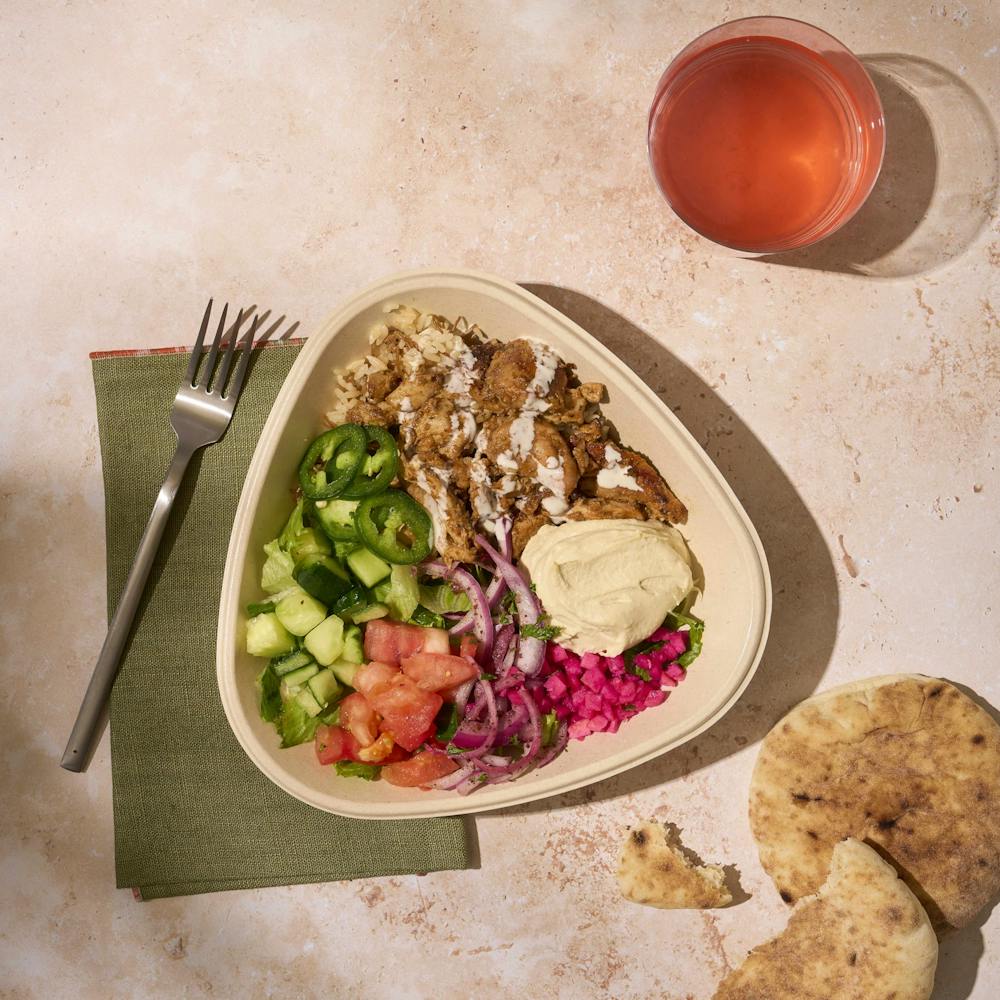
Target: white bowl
point(736, 603)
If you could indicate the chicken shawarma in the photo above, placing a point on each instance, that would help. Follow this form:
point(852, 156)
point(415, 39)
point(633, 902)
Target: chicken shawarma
point(487, 429)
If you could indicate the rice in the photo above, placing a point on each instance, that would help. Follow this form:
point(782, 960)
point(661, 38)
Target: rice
point(436, 343)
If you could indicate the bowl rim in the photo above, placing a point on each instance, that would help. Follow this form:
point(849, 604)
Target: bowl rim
point(504, 795)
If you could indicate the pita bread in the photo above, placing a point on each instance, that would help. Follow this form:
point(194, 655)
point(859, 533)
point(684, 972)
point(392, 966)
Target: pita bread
point(653, 869)
point(905, 762)
point(863, 936)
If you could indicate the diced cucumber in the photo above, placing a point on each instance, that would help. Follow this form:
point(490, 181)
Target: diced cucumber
point(267, 636)
point(343, 549)
point(336, 518)
point(371, 612)
point(354, 649)
point(381, 591)
point(354, 600)
point(324, 686)
point(299, 612)
point(308, 701)
point(331, 717)
point(326, 640)
point(344, 671)
point(367, 567)
point(298, 677)
point(323, 578)
point(286, 664)
point(308, 542)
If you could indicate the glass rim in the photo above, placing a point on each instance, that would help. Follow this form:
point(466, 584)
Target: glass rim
point(858, 193)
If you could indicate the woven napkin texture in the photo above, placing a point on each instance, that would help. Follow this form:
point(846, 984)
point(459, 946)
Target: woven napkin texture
point(192, 813)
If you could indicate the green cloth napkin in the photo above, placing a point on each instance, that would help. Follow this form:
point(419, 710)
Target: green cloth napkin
point(192, 813)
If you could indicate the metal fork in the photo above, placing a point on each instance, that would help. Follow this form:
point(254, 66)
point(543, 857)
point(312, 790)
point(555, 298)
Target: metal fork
point(200, 415)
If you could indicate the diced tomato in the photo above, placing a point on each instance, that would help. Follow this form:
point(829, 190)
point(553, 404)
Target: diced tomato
point(379, 751)
point(334, 744)
point(369, 676)
point(407, 711)
point(419, 770)
point(435, 640)
point(468, 646)
point(388, 641)
point(439, 671)
point(358, 717)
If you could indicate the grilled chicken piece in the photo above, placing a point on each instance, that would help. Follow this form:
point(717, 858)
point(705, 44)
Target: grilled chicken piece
point(659, 499)
point(392, 348)
point(417, 390)
point(548, 453)
point(599, 509)
point(378, 385)
point(570, 409)
point(508, 378)
point(525, 527)
point(580, 438)
point(368, 413)
point(653, 493)
point(454, 536)
point(442, 431)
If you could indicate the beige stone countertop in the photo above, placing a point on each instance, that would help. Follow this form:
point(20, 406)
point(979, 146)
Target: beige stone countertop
point(288, 153)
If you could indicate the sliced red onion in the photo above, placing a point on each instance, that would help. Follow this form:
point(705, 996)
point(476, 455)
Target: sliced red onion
point(530, 651)
point(533, 730)
point(474, 781)
point(481, 612)
point(505, 635)
point(474, 736)
point(452, 780)
point(558, 745)
point(497, 587)
point(462, 696)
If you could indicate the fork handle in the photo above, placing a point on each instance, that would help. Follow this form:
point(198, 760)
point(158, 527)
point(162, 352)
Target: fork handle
point(91, 719)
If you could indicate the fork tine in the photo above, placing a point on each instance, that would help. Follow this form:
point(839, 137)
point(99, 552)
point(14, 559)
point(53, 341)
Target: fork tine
point(227, 359)
point(213, 354)
point(247, 349)
point(192, 369)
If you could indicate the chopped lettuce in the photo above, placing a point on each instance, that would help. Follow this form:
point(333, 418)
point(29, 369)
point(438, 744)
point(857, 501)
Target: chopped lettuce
point(344, 549)
point(353, 769)
point(403, 594)
point(428, 619)
point(696, 634)
point(270, 698)
point(277, 572)
point(442, 598)
point(292, 527)
point(446, 721)
point(295, 726)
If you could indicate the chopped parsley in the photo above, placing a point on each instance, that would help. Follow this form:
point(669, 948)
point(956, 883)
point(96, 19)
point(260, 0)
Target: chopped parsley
point(629, 707)
point(540, 631)
point(641, 673)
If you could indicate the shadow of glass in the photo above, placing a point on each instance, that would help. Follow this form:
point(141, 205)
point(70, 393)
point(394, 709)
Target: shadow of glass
point(806, 601)
point(938, 186)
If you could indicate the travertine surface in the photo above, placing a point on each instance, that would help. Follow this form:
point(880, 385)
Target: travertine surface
point(287, 153)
